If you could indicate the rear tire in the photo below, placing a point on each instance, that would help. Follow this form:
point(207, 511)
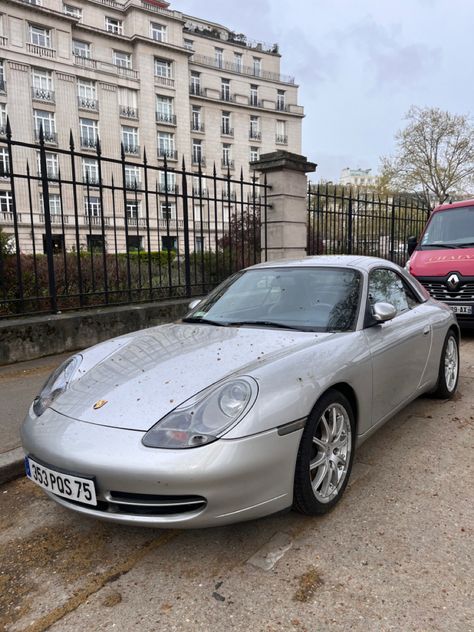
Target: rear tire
point(448, 373)
point(325, 455)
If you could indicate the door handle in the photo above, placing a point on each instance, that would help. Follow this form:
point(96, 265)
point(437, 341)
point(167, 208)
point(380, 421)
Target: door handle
point(426, 330)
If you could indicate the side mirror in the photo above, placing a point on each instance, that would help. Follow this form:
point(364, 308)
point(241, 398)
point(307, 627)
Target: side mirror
point(382, 312)
point(412, 243)
point(194, 303)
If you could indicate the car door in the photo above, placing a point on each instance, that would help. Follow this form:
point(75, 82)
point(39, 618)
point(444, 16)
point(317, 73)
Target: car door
point(399, 347)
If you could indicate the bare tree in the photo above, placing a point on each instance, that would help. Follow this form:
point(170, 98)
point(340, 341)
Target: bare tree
point(434, 156)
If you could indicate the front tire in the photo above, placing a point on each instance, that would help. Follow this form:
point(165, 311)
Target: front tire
point(448, 374)
point(325, 455)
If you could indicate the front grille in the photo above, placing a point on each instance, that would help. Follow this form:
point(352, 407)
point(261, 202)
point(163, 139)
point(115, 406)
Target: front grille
point(145, 504)
point(464, 293)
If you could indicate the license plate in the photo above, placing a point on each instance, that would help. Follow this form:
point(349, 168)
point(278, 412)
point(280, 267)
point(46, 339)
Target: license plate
point(73, 487)
point(462, 309)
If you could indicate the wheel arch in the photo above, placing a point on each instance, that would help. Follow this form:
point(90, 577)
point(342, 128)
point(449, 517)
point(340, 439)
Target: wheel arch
point(348, 391)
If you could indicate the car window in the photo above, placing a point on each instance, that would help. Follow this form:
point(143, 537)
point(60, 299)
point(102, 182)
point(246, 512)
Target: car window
point(386, 286)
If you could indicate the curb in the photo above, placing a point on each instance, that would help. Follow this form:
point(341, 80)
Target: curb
point(11, 465)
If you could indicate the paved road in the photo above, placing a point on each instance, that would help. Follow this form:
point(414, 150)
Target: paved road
point(395, 555)
point(19, 384)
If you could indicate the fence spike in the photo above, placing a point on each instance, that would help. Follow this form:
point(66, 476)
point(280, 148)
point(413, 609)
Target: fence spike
point(71, 140)
point(8, 129)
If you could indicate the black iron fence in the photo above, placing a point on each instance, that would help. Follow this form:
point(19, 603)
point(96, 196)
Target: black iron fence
point(342, 220)
point(78, 229)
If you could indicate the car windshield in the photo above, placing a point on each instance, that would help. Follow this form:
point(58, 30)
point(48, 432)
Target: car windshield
point(308, 299)
point(453, 228)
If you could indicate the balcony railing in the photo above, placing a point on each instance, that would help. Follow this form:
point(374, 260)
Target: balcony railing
point(227, 131)
point(131, 149)
point(281, 106)
point(203, 191)
point(3, 40)
point(166, 118)
point(281, 139)
point(255, 102)
point(104, 66)
point(89, 142)
point(132, 183)
point(48, 137)
point(95, 220)
point(137, 221)
point(168, 82)
point(169, 154)
point(227, 163)
point(90, 179)
point(42, 94)
point(240, 69)
point(51, 173)
point(3, 130)
point(226, 96)
point(40, 51)
point(86, 103)
point(128, 112)
point(199, 160)
point(173, 189)
point(255, 135)
point(8, 217)
point(55, 218)
point(197, 127)
point(3, 86)
point(195, 89)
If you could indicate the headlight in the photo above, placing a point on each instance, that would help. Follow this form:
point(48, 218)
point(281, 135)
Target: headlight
point(56, 384)
point(203, 418)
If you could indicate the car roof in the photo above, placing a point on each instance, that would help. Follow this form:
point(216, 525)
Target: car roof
point(338, 261)
point(446, 207)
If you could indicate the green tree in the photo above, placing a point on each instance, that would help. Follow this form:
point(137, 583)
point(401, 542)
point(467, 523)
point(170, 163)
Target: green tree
point(434, 155)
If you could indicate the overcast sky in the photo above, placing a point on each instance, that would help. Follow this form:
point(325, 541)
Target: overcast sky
point(360, 64)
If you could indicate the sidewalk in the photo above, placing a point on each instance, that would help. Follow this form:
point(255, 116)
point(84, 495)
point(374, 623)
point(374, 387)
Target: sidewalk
point(19, 384)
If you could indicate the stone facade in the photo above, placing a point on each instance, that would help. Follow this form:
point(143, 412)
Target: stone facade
point(140, 73)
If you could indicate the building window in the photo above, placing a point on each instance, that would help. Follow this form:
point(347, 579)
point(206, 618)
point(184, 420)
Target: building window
point(2, 76)
point(74, 12)
point(254, 154)
point(219, 57)
point(132, 176)
point(128, 102)
point(281, 136)
point(197, 153)
point(225, 89)
point(254, 95)
point(195, 82)
point(87, 94)
point(226, 155)
point(133, 209)
point(164, 109)
point(4, 162)
point(281, 101)
point(188, 44)
point(257, 66)
point(130, 140)
point(92, 206)
point(89, 130)
point(45, 120)
point(167, 182)
point(6, 202)
point(3, 118)
point(200, 243)
point(134, 243)
point(254, 132)
point(112, 25)
point(168, 210)
point(42, 87)
point(166, 145)
point(81, 49)
point(40, 36)
point(225, 124)
point(52, 165)
point(158, 32)
point(196, 122)
point(54, 204)
point(95, 243)
point(169, 242)
point(163, 68)
point(90, 171)
point(122, 59)
point(238, 65)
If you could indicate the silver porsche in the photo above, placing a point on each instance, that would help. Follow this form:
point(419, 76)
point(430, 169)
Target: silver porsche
point(252, 404)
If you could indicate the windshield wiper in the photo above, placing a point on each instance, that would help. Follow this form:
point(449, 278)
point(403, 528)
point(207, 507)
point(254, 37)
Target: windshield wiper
point(264, 323)
point(203, 321)
point(467, 244)
point(440, 246)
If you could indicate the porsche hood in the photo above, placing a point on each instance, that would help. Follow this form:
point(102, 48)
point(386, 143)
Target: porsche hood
point(155, 370)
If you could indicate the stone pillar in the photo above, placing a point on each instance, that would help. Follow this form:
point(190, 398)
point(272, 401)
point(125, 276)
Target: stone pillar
point(287, 215)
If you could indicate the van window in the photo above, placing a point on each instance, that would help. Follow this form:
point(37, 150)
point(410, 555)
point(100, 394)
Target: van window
point(453, 227)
